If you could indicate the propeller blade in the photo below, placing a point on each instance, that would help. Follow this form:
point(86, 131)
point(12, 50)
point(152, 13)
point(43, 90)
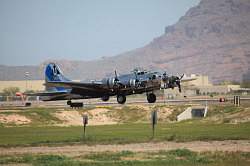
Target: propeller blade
point(115, 74)
point(178, 83)
point(182, 76)
point(179, 88)
point(164, 77)
point(116, 77)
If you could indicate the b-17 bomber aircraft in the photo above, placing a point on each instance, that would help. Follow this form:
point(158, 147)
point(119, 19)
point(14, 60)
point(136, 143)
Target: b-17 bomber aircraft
point(58, 87)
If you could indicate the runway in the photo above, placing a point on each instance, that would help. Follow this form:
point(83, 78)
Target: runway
point(130, 101)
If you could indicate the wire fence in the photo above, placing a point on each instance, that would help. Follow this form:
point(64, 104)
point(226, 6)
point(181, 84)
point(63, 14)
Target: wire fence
point(17, 98)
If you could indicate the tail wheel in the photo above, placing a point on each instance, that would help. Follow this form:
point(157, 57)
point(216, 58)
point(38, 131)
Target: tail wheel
point(121, 99)
point(151, 98)
point(69, 102)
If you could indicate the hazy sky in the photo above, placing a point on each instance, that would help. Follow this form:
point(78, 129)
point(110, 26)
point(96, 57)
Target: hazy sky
point(32, 31)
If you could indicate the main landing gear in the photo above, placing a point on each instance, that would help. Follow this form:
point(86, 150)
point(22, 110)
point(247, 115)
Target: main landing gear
point(121, 99)
point(151, 97)
point(105, 98)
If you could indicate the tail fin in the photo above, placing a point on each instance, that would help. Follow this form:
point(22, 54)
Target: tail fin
point(53, 73)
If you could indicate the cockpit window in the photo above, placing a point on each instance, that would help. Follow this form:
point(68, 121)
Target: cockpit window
point(140, 72)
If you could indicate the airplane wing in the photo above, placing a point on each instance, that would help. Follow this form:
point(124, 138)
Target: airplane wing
point(88, 87)
point(187, 79)
point(79, 85)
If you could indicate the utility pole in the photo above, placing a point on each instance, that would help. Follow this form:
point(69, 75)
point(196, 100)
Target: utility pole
point(153, 121)
point(85, 122)
point(26, 79)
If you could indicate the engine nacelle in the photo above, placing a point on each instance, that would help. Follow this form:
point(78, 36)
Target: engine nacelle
point(111, 82)
point(132, 83)
point(167, 85)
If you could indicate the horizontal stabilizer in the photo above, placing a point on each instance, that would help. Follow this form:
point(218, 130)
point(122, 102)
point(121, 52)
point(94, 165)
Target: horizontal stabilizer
point(46, 93)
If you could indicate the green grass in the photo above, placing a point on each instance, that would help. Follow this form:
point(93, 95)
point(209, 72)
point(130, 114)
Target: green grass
point(178, 157)
point(123, 133)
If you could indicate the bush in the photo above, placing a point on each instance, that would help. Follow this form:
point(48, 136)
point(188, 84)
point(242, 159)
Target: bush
point(245, 84)
point(10, 91)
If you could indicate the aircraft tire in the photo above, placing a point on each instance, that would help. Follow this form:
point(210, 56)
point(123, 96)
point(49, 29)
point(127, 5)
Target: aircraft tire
point(69, 102)
point(151, 98)
point(105, 98)
point(121, 99)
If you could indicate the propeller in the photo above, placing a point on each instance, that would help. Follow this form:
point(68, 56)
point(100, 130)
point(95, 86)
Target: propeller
point(116, 82)
point(165, 80)
point(164, 77)
point(116, 77)
point(178, 82)
point(182, 76)
point(172, 81)
point(113, 82)
point(137, 82)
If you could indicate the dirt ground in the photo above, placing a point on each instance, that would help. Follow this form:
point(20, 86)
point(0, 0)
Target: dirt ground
point(98, 116)
point(74, 150)
point(14, 118)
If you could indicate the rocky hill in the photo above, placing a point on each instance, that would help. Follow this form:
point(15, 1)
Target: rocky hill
point(212, 38)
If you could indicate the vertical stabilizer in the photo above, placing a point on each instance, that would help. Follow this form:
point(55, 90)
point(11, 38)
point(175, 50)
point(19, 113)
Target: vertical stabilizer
point(54, 73)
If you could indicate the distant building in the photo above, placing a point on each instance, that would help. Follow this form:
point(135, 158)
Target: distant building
point(218, 89)
point(200, 80)
point(200, 86)
point(35, 85)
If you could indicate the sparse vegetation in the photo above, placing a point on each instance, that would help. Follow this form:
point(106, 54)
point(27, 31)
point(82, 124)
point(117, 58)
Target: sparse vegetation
point(176, 112)
point(245, 84)
point(39, 116)
point(179, 157)
point(10, 91)
point(131, 114)
point(227, 114)
point(223, 109)
point(109, 156)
